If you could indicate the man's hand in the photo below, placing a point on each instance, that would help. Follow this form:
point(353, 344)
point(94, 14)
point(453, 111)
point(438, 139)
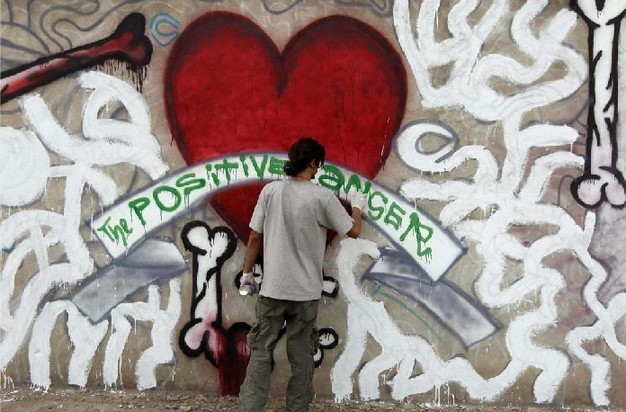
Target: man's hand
point(248, 284)
point(358, 200)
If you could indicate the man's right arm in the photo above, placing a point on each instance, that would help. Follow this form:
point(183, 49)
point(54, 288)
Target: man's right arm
point(255, 240)
point(358, 201)
point(355, 230)
point(337, 219)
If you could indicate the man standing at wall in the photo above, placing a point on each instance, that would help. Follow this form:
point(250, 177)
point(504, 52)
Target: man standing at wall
point(290, 221)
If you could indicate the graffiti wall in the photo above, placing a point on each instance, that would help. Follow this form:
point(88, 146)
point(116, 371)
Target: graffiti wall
point(136, 136)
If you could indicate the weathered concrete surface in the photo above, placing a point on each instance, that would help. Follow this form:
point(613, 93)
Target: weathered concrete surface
point(497, 285)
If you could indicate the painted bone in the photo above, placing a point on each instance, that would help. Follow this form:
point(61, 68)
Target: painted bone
point(127, 43)
point(601, 180)
point(225, 347)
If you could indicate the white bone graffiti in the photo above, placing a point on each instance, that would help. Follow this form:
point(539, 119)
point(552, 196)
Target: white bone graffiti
point(507, 195)
point(210, 248)
point(104, 142)
point(602, 180)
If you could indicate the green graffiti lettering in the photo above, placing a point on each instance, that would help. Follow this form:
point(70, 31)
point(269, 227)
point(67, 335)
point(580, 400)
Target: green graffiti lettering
point(367, 187)
point(354, 181)
point(392, 217)
point(216, 180)
point(244, 166)
point(137, 206)
point(226, 167)
point(332, 178)
point(116, 233)
point(376, 210)
point(211, 176)
point(188, 182)
point(156, 194)
point(259, 169)
point(386, 210)
point(277, 166)
point(416, 226)
point(104, 229)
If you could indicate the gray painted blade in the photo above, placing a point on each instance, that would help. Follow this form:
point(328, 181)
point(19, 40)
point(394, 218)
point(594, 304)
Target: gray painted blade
point(155, 260)
point(455, 309)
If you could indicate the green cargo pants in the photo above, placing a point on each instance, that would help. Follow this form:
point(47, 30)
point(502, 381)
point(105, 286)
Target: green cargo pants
point(302, 343)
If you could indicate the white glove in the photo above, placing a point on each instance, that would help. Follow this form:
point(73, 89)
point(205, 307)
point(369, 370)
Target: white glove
point(248, 284)
point(358, 200)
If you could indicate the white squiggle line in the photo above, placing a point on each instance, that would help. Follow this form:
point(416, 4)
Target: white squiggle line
point(120, 330)
point(496, 246)
point(24, 167)
point(368, 317)
point(604, 328)
point(503, 195)
point(142, 148)
point(485, 190)
point(105, 142)
point(162, 334)
point(17, 324)
point(84, 336)
point(164, 322)
point(469, 79)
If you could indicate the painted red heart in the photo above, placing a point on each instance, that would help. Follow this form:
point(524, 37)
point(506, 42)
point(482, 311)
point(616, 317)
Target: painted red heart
point(229, 90)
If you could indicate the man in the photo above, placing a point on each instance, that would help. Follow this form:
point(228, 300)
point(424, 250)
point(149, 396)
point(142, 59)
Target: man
point(290, 221)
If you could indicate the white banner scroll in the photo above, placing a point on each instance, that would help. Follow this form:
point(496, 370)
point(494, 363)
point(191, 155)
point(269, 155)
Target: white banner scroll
point(409, 228)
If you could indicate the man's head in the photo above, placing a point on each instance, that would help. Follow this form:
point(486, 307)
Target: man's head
point(304, 153)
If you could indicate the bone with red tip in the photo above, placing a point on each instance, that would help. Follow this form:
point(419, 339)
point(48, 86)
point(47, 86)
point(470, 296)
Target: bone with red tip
point(127, 43)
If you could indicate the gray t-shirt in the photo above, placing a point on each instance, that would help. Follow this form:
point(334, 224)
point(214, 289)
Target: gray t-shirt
point(293, 217)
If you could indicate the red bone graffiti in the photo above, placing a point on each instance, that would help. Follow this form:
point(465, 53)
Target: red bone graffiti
point(601, 180)
point(127, 44)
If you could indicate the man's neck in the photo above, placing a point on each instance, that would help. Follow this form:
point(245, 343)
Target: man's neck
point(306, 175)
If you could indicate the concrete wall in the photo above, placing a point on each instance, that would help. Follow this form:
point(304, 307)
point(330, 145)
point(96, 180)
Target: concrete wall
point(488, 141)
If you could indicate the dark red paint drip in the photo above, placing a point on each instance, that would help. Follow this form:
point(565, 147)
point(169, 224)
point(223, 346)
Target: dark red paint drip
point(127, 44)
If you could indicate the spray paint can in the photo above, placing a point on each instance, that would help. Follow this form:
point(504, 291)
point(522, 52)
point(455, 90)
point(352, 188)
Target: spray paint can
point(248, 289)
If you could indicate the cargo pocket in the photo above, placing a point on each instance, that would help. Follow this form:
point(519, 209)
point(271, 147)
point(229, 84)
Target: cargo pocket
point(266, 329)
point(309, 311)
point(253, 336)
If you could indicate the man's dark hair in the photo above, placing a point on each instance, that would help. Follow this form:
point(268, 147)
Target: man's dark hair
point(302, 153)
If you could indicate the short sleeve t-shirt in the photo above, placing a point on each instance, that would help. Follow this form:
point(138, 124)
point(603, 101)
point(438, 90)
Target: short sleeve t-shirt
point(293, 217)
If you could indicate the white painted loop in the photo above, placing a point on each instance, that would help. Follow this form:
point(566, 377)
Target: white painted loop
point(409, 150)
point(24, 168)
